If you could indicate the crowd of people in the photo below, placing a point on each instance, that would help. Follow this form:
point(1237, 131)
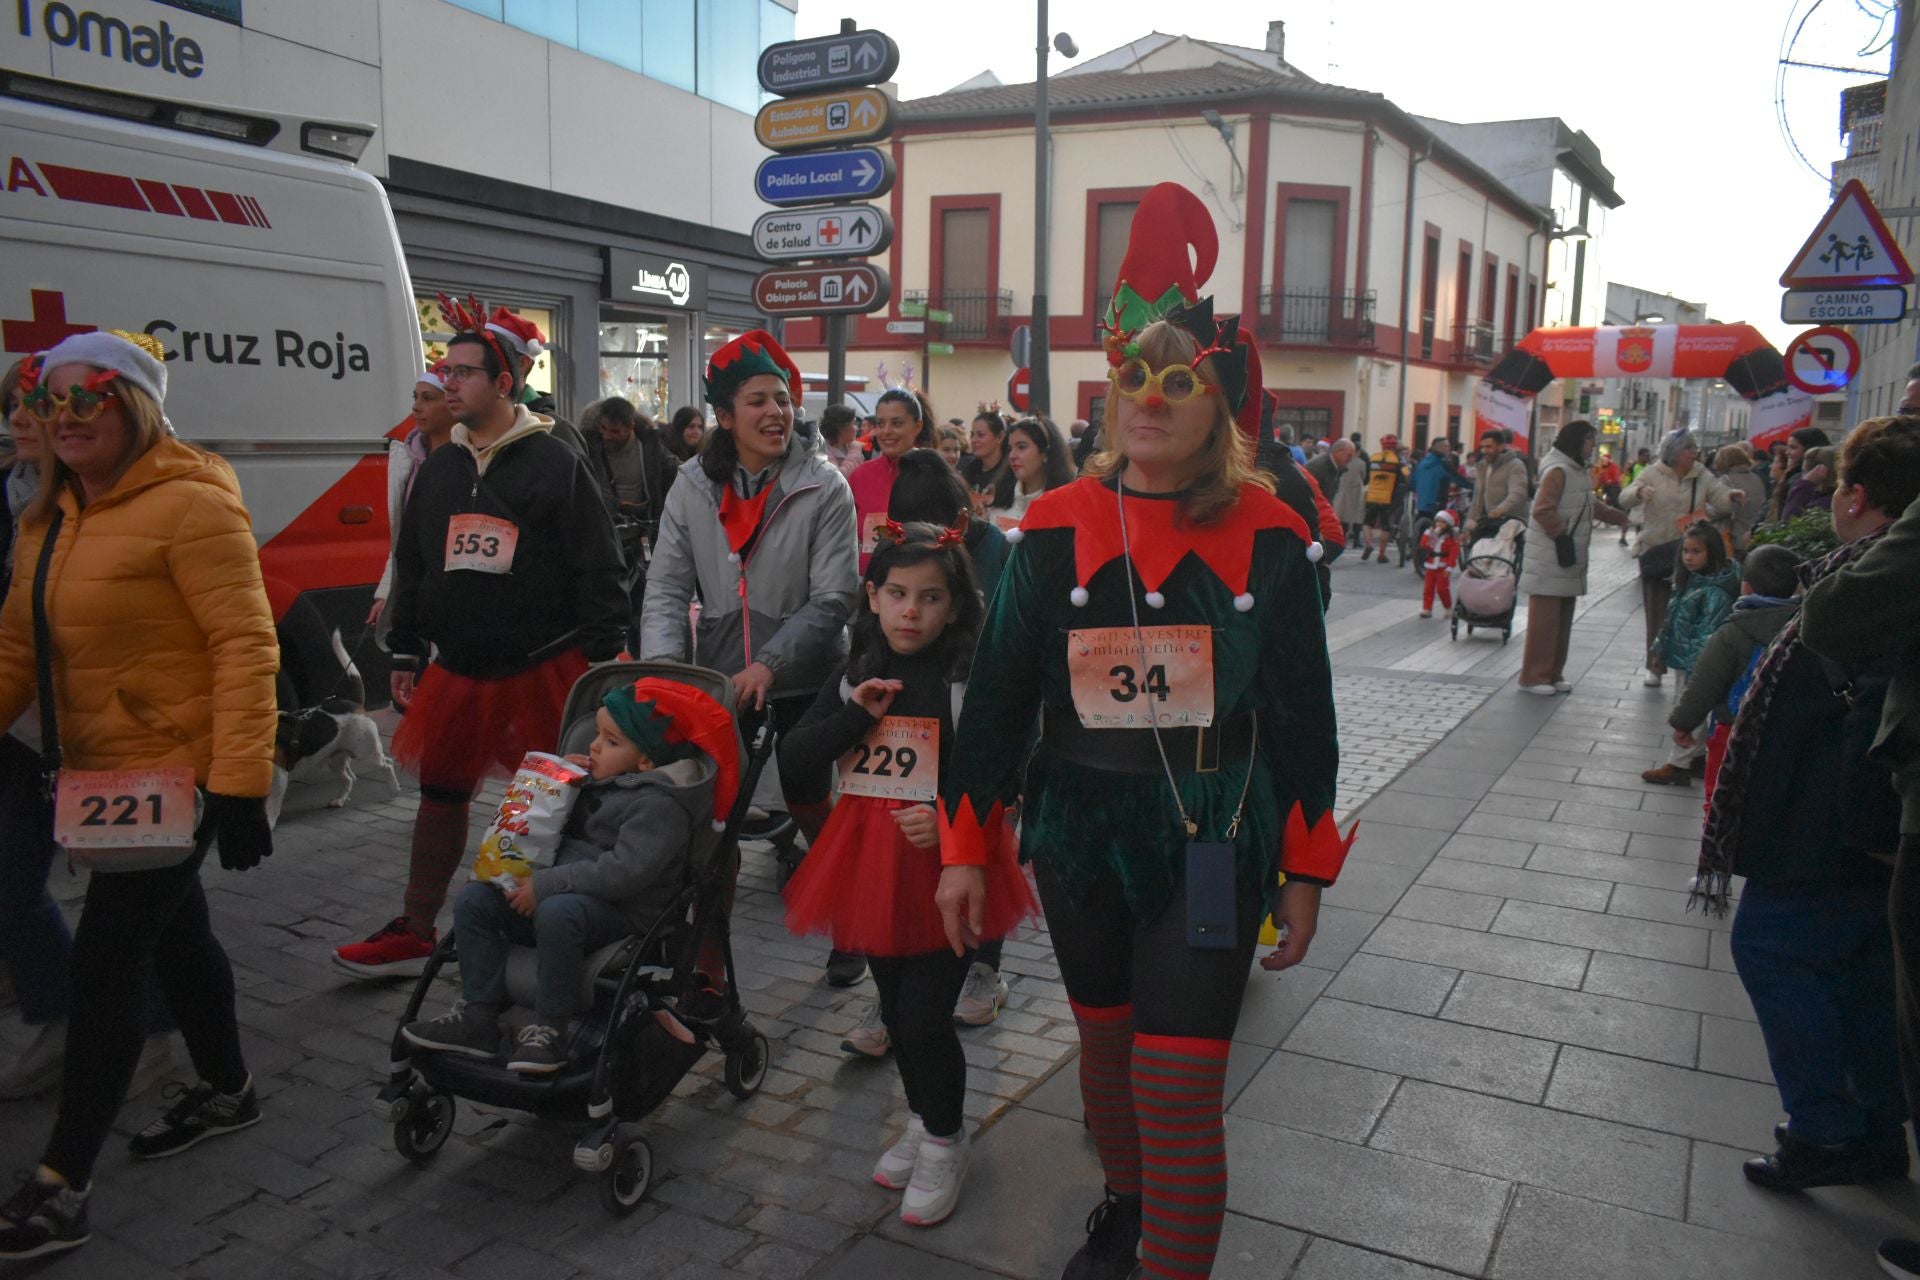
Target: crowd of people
point(1097, 658)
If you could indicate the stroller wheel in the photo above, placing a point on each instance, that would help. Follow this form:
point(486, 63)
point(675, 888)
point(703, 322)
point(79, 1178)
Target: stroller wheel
point(422, 1131)
point(623, 1186)
point(747, 1066)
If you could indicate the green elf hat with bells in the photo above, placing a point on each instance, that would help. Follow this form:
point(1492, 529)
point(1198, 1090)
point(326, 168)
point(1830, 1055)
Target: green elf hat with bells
point(752, 353)
point(1171, 250)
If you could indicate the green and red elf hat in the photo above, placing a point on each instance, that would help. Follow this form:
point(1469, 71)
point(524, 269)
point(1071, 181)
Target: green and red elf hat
point(752, 353)
point(1171, 250)
point(668, 720)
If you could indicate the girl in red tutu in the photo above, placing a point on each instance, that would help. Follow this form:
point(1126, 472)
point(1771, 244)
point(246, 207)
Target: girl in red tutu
point(882, 724)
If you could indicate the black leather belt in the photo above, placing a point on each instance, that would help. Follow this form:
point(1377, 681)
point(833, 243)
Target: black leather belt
point(1189, 750)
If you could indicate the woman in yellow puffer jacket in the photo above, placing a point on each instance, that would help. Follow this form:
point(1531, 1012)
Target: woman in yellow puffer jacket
point(162, 654)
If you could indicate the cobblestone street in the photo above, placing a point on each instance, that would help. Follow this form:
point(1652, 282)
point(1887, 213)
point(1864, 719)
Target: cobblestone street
point(1514, 937)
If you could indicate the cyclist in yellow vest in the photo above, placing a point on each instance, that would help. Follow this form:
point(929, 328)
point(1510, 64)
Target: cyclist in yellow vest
point(1386, 473)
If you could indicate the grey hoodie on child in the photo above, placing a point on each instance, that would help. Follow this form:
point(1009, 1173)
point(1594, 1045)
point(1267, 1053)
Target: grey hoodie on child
point(628, 839)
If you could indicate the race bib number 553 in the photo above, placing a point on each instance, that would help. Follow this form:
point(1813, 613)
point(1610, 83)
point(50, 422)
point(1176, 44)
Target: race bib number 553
point(483, 544)
point(1162, 675)
point(898, 760)
point(124, 808)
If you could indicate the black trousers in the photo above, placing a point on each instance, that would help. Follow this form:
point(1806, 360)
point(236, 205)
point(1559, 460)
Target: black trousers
point(137, 926)
point(916, 1003)
point(1903, 912)
point(1109, 958)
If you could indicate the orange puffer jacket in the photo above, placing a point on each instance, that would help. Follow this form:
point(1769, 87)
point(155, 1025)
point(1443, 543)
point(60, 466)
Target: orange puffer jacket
point(164, 647)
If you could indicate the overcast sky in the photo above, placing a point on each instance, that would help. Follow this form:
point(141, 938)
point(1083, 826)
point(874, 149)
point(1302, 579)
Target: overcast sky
point(1678, 94)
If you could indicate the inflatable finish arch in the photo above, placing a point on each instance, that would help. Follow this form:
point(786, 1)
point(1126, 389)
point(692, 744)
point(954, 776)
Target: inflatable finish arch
point(1736, 353)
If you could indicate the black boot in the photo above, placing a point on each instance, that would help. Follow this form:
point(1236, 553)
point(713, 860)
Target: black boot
point(844, 968)
point(1112, 1250)
point(1799, 1164)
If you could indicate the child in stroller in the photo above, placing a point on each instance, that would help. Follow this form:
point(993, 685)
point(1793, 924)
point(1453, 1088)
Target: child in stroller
point(654, 1000)
point(619, 866)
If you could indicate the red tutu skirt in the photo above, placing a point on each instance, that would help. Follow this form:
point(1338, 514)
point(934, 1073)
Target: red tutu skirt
point(458, 730)
point(871, 890)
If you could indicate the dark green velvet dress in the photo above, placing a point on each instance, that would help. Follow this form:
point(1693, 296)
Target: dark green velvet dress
point(1269, 658)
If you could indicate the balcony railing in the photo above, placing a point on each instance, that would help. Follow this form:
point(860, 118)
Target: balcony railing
point(979, 315)
point(1473, 343)
point(1426, 335)
point(1316, 317)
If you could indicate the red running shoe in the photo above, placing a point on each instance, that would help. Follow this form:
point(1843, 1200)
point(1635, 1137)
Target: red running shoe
point(394, 951)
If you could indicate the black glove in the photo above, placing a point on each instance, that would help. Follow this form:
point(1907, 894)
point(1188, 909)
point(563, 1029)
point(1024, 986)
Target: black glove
point(1565, 552)
point(240, 825)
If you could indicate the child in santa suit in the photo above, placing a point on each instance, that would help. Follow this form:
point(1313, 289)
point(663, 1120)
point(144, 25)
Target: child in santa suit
point(1439, 554)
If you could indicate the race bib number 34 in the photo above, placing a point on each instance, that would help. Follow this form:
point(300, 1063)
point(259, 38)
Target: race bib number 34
point(125, 808)
point(483, 544)
point(899, 760)
point(1117, 686)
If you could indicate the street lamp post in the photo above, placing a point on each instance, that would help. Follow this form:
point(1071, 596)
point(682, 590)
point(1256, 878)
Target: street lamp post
point(1039, 378)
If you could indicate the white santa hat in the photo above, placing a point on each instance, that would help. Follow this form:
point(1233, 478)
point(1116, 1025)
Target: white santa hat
point(136, 357)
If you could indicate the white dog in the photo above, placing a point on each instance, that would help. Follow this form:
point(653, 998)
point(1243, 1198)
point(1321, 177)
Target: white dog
point(336, 741)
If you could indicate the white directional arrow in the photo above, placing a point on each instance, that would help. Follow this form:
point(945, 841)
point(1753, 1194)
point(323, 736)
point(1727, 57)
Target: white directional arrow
point(868, 55)
point(858, 289)
point(864, 114)
point(865, 172)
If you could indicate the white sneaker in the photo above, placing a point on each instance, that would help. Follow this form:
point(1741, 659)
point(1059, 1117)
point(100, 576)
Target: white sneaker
point(870, 1038)
point(1653, 680)
point(895, 1169)
point(981, 997)
point(1563, 686)
point(1426, 613)
point(37, 1069)
point(937, 1174)
point(1541, 690)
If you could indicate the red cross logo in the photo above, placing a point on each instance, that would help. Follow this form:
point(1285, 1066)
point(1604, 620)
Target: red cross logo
point(47, 327)
point(829, 230)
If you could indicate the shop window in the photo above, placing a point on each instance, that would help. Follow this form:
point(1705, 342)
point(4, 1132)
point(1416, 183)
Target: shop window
point(635, 363)
point(435, 333)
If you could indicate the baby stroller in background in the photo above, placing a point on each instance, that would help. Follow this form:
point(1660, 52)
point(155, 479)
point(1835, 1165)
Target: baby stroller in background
point(1489, 585)
point(622, 1061)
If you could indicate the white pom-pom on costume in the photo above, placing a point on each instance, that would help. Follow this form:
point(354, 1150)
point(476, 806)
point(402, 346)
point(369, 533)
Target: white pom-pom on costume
point(733, 557)
point(535, 347)
point(1314, 552)
point(1015, 534)
point(1244, 601)
point(1079, 597)
point(1155, 600)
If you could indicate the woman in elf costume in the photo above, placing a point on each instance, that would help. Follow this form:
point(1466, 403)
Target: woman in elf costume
point(1163, 611)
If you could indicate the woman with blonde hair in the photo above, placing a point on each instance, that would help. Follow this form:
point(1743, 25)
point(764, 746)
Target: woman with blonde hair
point(1163, 614)
point(1734, 465)
point(139, 617)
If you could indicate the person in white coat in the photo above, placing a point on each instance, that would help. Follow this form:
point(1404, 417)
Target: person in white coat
point(1559, 535)
point(432, 427)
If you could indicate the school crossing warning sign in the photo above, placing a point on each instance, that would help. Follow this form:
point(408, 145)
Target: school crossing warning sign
point(1850, 246)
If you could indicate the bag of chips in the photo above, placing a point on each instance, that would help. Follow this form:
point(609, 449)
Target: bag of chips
point(525, 833)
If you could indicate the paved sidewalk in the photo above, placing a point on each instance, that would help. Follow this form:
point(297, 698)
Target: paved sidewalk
point(1511, 1052)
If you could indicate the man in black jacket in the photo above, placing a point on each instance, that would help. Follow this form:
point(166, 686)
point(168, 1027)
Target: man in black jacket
point(635, 471)
point(508, 582)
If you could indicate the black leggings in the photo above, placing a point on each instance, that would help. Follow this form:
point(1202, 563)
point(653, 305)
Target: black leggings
point(916, 1003)
point(1108, 958)
point(137, 925)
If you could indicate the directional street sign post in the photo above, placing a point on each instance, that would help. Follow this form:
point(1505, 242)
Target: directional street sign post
point(939, 348)
point(829, 231)
point(828, 62)
point(1822, 360)
point(828, 119)
point(825, 101)
point(848, 289)
point(906, 328)
point(1872, 304)
point(917, 310)
point(814, 176)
